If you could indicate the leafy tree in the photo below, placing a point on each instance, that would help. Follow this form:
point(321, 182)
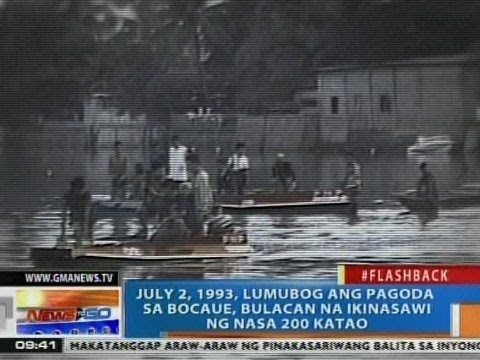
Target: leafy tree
point(277, 54)
point(43, 50)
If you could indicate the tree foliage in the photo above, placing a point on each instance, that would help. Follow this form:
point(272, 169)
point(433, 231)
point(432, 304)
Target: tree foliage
point(158, 56)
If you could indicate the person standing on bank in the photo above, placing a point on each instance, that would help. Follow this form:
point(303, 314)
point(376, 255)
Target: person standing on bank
point(202, 193)
point(177, 161)
point(118, 166)
point(239, 167)
point(352, 184)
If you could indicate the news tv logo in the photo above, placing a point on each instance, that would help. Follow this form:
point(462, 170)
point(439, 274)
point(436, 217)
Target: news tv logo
point(68, 312)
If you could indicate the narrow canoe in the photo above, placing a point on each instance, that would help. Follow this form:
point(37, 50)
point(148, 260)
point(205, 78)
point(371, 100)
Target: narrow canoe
point(285, 202)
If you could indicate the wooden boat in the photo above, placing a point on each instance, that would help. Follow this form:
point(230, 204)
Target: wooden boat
point(135, 251)
point(465, 196)
point(261, 202)
point(308, 201)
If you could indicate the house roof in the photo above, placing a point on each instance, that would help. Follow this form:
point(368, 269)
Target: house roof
point(430, 60)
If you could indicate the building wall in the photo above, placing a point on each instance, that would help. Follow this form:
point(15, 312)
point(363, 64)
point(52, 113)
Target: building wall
point(276, 132)
point(383, 100)
point(471, 106)
point(394, 101)
point(103, 125)
point(358, 100)
point(272, 133)
point(334, 124)
point(471, 94)
point(442, 105)
point(409, 99)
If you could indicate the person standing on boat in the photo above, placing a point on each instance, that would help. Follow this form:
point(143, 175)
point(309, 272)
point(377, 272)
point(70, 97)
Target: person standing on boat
point(239, 167)
point(224, 176)
point(118, 166)
point(145, 193)
point(426, 186)
point(177, 161)
point(139, 182)
point(283, 174)
point(157, 158)
point(427, 190)
point(202, 194)
point(78, 203)
point(352, 184)
point(157, 199)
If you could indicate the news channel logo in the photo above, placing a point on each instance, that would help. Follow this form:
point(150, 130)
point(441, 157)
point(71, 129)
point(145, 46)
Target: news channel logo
point(68, 312)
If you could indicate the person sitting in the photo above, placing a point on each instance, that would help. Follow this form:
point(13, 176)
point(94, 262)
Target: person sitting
point(283, 174)
point(172, 229)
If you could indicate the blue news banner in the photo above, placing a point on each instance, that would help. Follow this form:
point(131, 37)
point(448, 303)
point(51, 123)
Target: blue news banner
point(154, 308)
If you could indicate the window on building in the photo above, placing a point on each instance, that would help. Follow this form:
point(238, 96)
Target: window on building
point(334, 105)
point(385, 104)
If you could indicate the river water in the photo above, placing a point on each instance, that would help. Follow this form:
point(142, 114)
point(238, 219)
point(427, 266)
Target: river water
point(288, 246)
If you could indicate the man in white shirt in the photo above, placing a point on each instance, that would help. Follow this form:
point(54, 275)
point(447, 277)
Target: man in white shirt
point(177, 161)
point(239, 166)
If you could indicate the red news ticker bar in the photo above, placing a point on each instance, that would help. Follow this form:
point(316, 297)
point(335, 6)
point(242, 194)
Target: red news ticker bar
point(408, 274)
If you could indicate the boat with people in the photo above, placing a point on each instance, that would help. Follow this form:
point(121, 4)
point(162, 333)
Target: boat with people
point(252, 202)
point(136, 250)
point(291, 202)
point(427, 144)
point(465, 196)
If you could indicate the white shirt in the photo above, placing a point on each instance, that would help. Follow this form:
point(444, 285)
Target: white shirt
point(238, 162)
point(177, 163)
